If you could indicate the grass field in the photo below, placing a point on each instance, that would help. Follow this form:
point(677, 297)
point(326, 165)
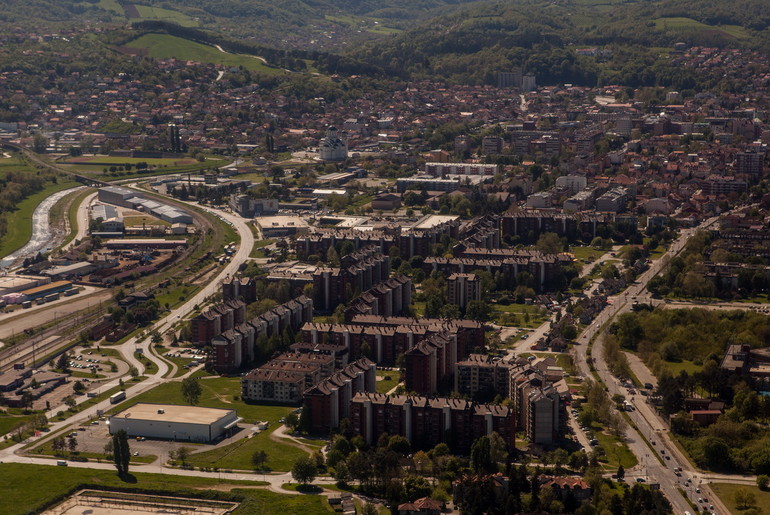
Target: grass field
point(96, 165)
point(10, 422)
point(163, 46)
point(726, 492)
point(138, 221)
point(119, 161)
point(147, 12)
point(519, 315)
point(20, 220)
point(586, 254)
point(220, 392)
point(26, 496)
point(257, 251)
point(385, 385)
point(112, 6)
point(690, 25)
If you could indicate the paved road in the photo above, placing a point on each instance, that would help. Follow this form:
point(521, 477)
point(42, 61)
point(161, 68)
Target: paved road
point(649, 464)
point(82, 221)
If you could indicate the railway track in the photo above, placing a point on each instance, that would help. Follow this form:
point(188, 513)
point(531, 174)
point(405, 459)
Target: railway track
point(49, 341)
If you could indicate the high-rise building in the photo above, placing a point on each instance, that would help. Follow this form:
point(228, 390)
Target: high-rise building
point(464, 288)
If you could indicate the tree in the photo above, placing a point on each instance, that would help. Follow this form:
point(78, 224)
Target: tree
point(621, 472)
point(478, 310)
point(744, 499)
point(549, 243)
point(763, 481)
point(191, 390)
point(39, 143)
point(121, 452)
point(72, 443)
point(292, 421)
point(109, 448)
point(498, 452)
point(62, 364)
point(304, 470)
point(182, 454)
point(258, 460)
point(481, 458)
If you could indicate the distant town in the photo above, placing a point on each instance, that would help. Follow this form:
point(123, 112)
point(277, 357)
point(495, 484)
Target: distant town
point(419, 299)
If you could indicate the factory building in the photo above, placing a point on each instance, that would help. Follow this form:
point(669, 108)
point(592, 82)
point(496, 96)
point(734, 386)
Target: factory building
point(177, 423)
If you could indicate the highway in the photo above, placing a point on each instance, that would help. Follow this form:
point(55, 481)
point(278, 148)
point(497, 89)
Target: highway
point(654, 465)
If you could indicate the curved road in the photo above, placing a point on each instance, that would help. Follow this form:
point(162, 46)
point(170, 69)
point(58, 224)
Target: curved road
point(129, 348)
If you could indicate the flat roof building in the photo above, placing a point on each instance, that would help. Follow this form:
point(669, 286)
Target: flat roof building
point(277, 226)
point(172, 422)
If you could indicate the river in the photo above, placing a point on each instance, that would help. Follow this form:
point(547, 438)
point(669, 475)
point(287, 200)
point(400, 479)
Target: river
point(44, 237)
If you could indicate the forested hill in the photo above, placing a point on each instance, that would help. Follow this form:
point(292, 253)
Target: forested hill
point(296, 23)
point(475, 41)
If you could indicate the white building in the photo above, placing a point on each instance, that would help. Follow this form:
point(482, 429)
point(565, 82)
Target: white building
point(574, 183)
point(171, 422)
point(334, 147)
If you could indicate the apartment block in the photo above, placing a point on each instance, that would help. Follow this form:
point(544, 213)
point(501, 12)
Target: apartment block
point(426, 422)
point(463, 288)
point(329, 400)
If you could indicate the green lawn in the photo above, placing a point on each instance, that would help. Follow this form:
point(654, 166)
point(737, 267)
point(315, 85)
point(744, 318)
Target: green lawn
point(680, 24)
point(586, 254)
point(688, 366)
point(99, 160)
point(138, 221)
point(614, 450)
point(256, 251)
point(220, 392)
point(386, 385)
point(726, 492)
point(20, 220)
point(156, 13)
point(27, 496)
point(164, 46)
point(519, 315)
point(9, 422)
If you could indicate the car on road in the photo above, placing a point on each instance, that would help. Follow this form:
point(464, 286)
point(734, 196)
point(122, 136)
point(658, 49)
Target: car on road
point(640, 480)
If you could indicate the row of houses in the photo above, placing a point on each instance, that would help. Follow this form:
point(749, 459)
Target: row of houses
point(391, 297)
point(234, 347)
point(538, 390)
point(544, 268)
point(428, 421)
point(288, 377)
point(388, 337)
point(358, 272)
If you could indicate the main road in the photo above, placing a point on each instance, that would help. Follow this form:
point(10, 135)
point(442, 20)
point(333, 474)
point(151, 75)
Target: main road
point(651, 464)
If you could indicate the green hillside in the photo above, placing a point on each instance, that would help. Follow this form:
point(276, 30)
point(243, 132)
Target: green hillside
point(474, 42)
point(164, 46)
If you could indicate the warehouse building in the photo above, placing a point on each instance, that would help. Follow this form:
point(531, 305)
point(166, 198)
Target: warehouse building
point(16, 283)
point(47, 289)
point(177, 423)
point(117, 196)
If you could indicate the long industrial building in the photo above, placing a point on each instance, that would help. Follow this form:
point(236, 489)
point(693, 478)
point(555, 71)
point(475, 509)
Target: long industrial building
point(177, 423)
